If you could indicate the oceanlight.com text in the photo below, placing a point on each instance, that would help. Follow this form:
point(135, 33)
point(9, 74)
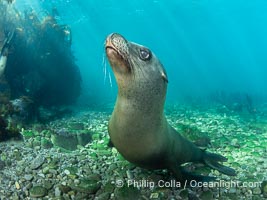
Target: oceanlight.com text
point(192, 183)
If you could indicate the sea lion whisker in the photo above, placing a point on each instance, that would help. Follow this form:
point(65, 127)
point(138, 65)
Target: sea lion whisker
point(104, 64)
point(110, 81)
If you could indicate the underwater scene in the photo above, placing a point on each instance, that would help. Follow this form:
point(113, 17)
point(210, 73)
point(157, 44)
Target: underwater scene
point(133, 100)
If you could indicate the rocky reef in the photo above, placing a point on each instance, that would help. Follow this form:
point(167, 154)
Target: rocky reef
point(37, 51)
point(59, 170)
point(8, 130)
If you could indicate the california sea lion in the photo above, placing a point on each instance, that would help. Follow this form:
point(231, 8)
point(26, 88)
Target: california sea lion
point(138, 127)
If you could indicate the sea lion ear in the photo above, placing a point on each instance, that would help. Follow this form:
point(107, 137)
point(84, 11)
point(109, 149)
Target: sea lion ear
point(164, 76)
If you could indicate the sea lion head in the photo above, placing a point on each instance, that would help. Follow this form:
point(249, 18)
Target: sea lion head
point(136, 68)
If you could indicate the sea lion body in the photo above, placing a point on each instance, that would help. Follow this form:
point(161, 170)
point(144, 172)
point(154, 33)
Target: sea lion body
point(138, 127)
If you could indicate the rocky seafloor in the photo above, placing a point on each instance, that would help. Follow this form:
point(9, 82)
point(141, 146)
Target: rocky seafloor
point(69, 159)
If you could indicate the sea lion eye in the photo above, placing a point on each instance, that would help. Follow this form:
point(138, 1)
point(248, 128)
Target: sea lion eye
point(145, 54)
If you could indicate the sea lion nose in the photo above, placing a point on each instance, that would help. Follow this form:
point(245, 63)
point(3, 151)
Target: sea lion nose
point(116, 36)
point(117, 39)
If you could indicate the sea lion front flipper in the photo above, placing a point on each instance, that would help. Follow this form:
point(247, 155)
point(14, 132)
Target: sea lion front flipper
point(186, 177)
point(110, 144)
point(213, 159)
